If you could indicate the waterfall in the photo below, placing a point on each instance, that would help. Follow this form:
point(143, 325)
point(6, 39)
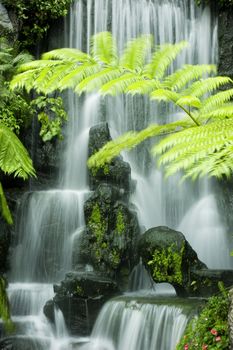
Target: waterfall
point(130, 324)
point(50, 221)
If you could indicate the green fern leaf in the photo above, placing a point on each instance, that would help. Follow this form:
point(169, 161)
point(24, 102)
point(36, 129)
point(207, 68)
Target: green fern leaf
point(216, 100)
point(14, 158)
point(143, 87)
point(95, 81)
point(119, 85)
point(200, 88)
point(4, 207)
point(163, 58)
point(187, 74)
point(67, 54)
point(134, 55)
point(103, 48)
point(165, 95)
point(190, 101)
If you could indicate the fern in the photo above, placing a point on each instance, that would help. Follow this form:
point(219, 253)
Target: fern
point(103, 48)
point(216, 100)
point(133, 57)
point(165, 95)
point(186, 74)
point(66, 55)
point(131, 139)
point(119, 85)
point(163, 58)
point(14, 158)
point(4, 207)
point(200, 88)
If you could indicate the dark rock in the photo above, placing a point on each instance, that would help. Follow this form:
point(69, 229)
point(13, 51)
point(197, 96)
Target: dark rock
point(6, 26)
point(112, 230)
point(169, 258)
point(118, 172)
point(80, 298)
point(5, 240)
point(225, 40)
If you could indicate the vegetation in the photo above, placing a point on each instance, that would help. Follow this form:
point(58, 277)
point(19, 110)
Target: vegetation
point(220, 3)
point(4, 307)
point(16, 111)
point(35, 17)
point(166, 265)
point(210, 330)
point(200, 143)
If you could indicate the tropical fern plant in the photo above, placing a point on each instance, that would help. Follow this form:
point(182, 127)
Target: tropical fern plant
point(4, 307)
point(198, 144)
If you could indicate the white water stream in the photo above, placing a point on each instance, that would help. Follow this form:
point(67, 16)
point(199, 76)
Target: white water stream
point(51, 219)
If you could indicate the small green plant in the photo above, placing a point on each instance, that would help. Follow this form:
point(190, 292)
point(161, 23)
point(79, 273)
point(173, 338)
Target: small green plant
point(35, 17)
point(4, 307)
point(210, 330)
point(166, 265)
point(120, 223)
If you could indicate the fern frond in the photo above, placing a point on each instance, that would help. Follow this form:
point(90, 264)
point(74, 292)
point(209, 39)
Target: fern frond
point(95, 81)
point(4, 207)
point(143, 87)
point(188, 148)
point(163, 58)
point(130, 140)
point(4, 307)
point(67, 54)
point(187, 74)
point(119, 85)
point(190, 101)
point(76, 75)
point(223, 112)
point(200, 88)
point(216, 100)
point(103, 48)
point(38, 65)
point(135, 53)
point(14, 158)
point(24, 80)
point(165, 95)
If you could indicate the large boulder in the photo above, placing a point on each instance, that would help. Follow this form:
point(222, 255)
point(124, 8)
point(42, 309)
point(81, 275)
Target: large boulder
point(118, 172)
point(168, 257)
point(80, 297)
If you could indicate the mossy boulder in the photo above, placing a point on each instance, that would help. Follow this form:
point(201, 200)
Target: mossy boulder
point(169, 257)
point(111, 230)
point(80, 296)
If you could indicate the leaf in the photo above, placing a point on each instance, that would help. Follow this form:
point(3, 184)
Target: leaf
point(164, 95)
point(163, 58)
point(4, 207)
point(135, 53)
point(103, 48)
point(190, 101)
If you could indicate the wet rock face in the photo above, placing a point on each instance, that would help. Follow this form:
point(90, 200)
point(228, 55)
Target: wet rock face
point(225, 38)
point(80, 297)
point(169, 258)
point(5, 239)
point(118, 172)
point(6, 26)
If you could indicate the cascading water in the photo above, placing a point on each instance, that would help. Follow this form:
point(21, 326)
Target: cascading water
point(46, 215)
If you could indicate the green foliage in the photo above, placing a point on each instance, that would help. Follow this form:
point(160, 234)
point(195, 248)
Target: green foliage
point(35, 16)
point(210, 330)
point(51, 115)
point(193, 146)
point(4, 307)
point(120, 222)
point(4, 207)
point(166, 265)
